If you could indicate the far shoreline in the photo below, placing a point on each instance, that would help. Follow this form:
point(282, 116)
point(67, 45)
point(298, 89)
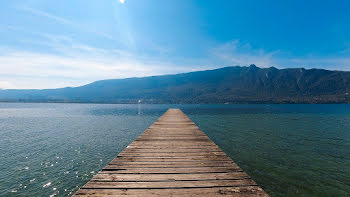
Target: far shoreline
point(115, 103)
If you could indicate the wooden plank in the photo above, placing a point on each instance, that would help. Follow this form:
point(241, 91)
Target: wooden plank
point(174, 126)
point(249, 191)
point(169, 184)
point(167, 146)
point(170, 164)
point(206, 162)
point(173, 157)
point(157, 150)
point(172, 154)
point(119, 170)
point(170, 177)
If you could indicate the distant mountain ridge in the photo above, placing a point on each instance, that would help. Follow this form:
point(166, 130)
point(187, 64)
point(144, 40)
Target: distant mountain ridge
point(224, 85)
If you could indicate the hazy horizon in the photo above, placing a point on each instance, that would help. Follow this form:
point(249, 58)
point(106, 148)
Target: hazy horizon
point(147, 76)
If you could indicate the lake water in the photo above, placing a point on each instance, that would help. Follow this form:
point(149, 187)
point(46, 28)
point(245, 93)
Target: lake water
point(290, 150)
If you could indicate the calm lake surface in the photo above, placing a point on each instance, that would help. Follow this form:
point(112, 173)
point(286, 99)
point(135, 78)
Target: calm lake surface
point(290, 150)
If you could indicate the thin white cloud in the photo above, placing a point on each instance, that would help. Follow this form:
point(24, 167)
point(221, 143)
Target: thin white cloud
point(122, 32)
point(72, 64)
point(21, 65)
point(330, 63)
point(6, 85)
point(238, 53)
point(48, 15)
point(243, 54)
point(68, 22)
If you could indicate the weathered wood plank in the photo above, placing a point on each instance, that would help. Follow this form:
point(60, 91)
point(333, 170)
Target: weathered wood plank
point(169, 184)
point(167, 146)
point(170, 164)
point(119, 170)
point(159, 159)
point(173, 157)
point(172, 154)
point(250, 191)
point(158, 150)
point(170, 177)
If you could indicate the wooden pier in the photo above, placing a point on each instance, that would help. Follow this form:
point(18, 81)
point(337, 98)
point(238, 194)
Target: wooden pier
point(173, 157)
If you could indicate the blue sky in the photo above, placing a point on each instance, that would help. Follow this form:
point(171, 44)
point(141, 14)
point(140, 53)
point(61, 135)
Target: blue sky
point(50, 44)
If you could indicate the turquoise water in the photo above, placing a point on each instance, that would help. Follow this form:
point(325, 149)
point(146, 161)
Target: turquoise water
point(290, 150)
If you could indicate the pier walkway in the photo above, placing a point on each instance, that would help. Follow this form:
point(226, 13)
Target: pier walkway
point(173, 157)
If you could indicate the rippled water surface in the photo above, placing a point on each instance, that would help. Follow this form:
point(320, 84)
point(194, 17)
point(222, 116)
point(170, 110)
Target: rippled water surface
point(290, 150)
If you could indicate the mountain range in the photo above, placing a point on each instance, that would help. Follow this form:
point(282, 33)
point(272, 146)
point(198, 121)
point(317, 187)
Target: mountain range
point(224, 85)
